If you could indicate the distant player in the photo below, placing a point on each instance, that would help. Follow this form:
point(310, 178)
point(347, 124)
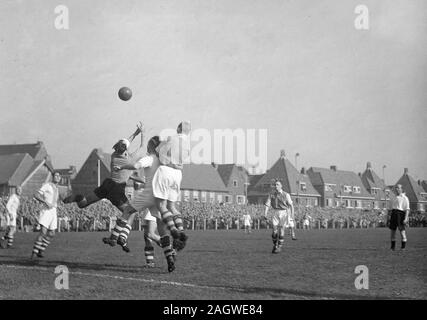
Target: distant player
point(306, 221)
point(11, 214)
point(113, 188)
point(399, 217)
point(173, 153)
point(141, 202)
point(48, 195)
point(247, 222)
point(283, 216)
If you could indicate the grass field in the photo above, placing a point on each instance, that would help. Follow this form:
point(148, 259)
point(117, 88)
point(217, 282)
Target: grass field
point(222, 265)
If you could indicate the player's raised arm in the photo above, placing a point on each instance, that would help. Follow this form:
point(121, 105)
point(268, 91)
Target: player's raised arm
point(144, 162)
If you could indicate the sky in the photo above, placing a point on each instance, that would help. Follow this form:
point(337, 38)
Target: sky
point(300, 69)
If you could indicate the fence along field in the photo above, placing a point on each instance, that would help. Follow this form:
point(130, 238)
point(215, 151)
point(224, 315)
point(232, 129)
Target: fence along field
point(203, 216)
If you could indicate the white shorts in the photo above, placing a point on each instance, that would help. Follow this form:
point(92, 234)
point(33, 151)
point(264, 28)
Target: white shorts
point(166, 183)
point(282, 218)
point(306, 222)
point(143, 200)
point(247, 224)
point(11, 222)
point(48, 219)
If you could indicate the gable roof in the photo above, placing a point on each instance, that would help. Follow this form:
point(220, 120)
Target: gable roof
point(225, 171)
point(411, 188)
point(371, 180)
point(289, 176)
point(202, 177)
point(15, 168)
point(339, 178)
point(36, 150)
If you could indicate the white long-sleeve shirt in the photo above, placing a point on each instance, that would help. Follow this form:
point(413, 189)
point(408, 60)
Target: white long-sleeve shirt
point(401, 203)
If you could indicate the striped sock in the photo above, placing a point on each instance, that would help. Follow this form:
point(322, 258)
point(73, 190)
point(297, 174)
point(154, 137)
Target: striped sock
point(178, 222)
point(149, 254)
point(9, 240)
point(124, 234)
point(281, 241)
point(275, 237)
point(167, 219)
point(120, 224)
point(38, 246)
point(167, 246)
point(46, 242)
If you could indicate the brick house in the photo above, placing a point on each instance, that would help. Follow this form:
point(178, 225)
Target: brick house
point(236, 180)
point(414, 191)
point(24, 165)
point(296, 183)
point(202, 183)
point(376, 187)
point(64, 185)
point(339, 188)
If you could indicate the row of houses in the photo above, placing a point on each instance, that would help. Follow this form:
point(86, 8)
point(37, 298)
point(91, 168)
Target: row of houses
point(29, 165)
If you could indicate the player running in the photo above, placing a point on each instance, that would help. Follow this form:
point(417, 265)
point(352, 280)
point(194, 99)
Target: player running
point(113, 188)
point(173, 153)
point(141, 202)
point(283, 216)
point(48, 195)
point(11, 214)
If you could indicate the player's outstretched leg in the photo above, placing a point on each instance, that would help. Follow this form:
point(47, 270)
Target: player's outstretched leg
point(10, 235)
point(124, 234)
point(180, 242)
point(42, 242)
point(168, 251)
point(112, 239)
point(149, 253)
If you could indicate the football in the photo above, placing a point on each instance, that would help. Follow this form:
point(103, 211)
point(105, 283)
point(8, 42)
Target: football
point(125, 93)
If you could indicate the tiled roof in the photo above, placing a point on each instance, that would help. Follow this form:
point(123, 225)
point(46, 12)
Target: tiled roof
point(371, 180)
point(289, 176)
point(225, 170)
point(15, 168)
point(339, 178)
point(35, 150)
point(202, 177)
point(411, 188)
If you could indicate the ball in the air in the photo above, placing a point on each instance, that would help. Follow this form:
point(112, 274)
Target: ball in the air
point(125, 93)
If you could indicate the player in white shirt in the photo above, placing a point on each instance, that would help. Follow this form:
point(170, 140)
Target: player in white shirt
point(11, 214)
point(399, 217)
point(144, 202)
point(247, 222)
point(173, 153)
point(48, 195)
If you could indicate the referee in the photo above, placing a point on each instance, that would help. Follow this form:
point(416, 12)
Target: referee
point(399, 217)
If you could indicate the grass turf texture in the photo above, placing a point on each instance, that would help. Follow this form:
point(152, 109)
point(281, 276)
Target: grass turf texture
point(221, 265)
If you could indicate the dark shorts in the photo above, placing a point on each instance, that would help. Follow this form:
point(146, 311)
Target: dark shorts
point(113, 191)
point(396, 220)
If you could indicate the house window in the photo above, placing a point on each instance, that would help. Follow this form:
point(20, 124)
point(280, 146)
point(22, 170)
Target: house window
point(347, 188)
point(195, 196)
point(211, 197)
point(186, 196)
point(203, 196)
point(356, 189)
point(316, 203)
point(329, 202)
point(220, 198)
point(328, 187)
point(227, 199)
point(240, 199)
point(234, 183)
point(348, 203)
point(358, 204)
point(376, 205)
point(303, 186)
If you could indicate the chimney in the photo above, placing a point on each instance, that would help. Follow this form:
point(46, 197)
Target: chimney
point(405, 171)
point(282, 154)
point(302, 170)
point(334, 168)
point(368, 165)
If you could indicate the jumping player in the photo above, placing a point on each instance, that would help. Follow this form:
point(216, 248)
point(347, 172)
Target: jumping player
point(283, 216)
point(113, 188)
point(11, 214)
point(141, 202)
point(399, 217)
point(173, 153)
point(48, 195)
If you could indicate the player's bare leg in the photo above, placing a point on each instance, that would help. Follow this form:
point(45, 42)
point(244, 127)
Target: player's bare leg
point(149, 230)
